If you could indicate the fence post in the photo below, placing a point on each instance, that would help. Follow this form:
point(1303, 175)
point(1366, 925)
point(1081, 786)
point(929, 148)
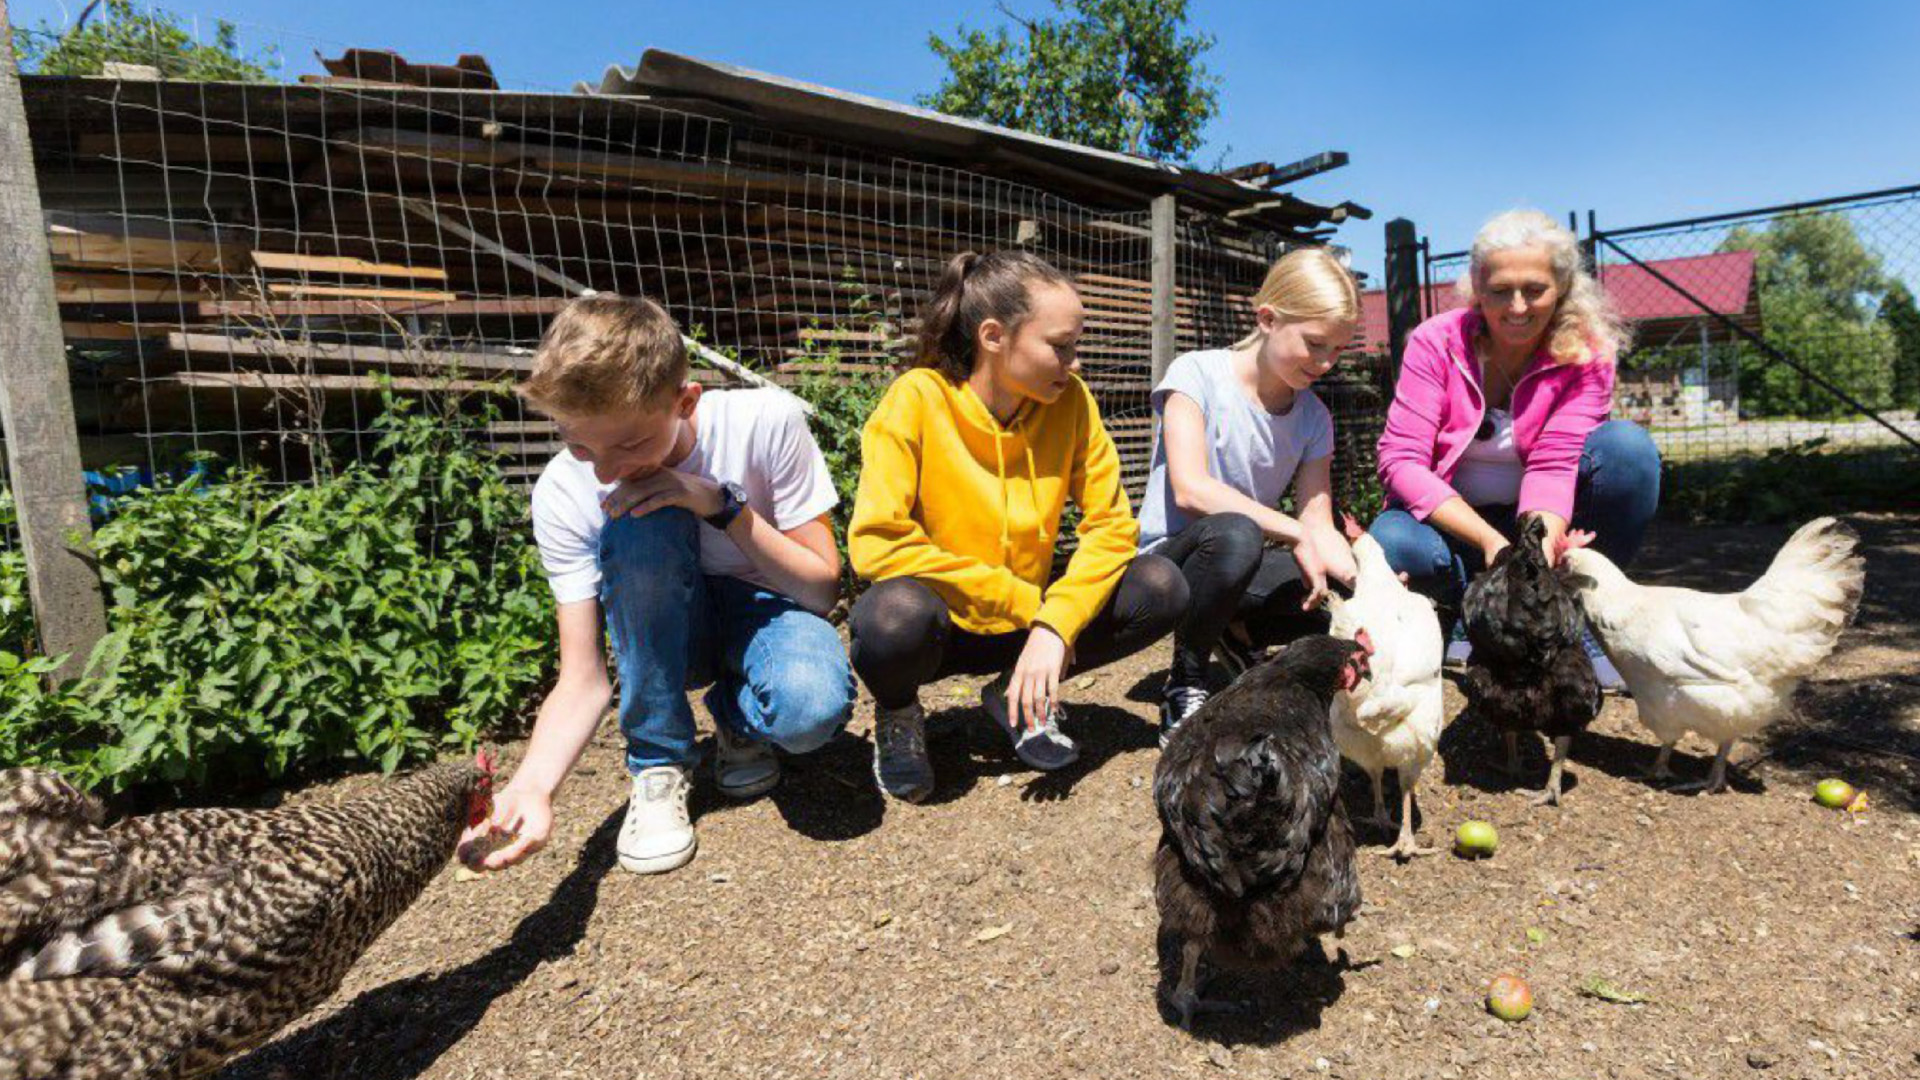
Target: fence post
point(36, 402)
point(1403, 285)
point(1163, 285)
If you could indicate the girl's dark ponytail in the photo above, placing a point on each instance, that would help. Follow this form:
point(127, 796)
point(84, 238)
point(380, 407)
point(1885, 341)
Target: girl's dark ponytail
point(972, 289)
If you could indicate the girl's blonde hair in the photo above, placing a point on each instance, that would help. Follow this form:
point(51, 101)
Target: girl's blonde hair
point(1307, 283)
point(1585, 325)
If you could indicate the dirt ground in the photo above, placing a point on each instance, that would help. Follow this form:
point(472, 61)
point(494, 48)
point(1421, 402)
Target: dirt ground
point(1007, 927)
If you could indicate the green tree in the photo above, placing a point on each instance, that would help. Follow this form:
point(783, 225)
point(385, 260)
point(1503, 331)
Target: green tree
point(1902, 318)
point(1113, 74)
point(149, 36)
point(1819, 289)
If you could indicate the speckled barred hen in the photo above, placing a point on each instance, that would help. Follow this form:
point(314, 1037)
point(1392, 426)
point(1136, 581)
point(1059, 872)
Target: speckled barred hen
point(1256, 854)
point(161, 946)
point(1529, 669)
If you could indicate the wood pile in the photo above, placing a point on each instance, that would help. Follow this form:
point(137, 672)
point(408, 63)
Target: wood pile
point(228, 261)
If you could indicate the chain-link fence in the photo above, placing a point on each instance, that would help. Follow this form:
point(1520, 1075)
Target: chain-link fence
point(1787, 329)
point(1784, 338)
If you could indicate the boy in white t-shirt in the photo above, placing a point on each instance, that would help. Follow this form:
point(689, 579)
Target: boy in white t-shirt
point(697, 522)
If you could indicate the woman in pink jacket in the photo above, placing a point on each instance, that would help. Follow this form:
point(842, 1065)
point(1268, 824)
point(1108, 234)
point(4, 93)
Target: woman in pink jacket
point(1501, 411)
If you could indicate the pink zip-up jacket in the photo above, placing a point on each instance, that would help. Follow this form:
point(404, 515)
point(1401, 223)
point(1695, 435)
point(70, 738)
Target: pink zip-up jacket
point(1438, 405)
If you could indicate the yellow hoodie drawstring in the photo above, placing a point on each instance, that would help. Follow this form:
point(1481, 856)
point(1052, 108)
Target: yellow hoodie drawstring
point(1000, 469)
point(1033, 494)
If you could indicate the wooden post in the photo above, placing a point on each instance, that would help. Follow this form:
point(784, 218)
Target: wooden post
point(1403, 285)
point(36, 402)
point(1163, 285)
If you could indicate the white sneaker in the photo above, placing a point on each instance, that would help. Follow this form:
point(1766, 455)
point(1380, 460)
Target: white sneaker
point(743, 769)
point(657, 835)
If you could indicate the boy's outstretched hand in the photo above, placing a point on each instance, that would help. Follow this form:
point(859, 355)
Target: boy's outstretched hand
point(522, 819)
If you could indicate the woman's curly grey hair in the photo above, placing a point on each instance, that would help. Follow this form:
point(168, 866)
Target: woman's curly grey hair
point(1585, 324)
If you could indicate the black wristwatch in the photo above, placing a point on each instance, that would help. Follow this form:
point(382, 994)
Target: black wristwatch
point(733, 499)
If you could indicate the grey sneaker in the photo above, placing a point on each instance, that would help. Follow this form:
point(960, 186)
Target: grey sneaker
point(1458, 653)
point(900, 764)
point(1179, 703)
point(1603, 669)
point(1045, 748)
point(744, 769)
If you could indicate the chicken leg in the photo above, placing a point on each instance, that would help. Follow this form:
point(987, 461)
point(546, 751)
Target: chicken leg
point(1186, 996)
point(1380, 816)
point(1512, 767)
point(1407, 847)
point(1716, 781)
point(1551, 796)
point(1660, 773)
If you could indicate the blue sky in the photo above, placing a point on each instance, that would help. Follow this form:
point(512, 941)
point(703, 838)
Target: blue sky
point(1642, 111)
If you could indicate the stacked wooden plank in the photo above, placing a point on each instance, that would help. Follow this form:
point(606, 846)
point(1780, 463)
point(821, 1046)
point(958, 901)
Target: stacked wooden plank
point(214, 267)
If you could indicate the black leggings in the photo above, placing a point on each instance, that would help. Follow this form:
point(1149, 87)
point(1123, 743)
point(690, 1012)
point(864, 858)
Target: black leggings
point(904, 637)
point(1233, 575)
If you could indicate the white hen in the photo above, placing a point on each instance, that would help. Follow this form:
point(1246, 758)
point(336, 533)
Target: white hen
point(1391, 720)
point(1724, 665)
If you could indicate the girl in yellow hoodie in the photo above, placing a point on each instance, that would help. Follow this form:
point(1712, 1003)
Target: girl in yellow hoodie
point(967, 464)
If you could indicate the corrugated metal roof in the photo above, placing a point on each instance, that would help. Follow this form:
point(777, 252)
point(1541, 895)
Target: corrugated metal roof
point(907, 129)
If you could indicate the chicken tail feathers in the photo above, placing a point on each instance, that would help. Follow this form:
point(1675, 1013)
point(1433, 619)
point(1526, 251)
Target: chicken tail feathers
point(1811, 592)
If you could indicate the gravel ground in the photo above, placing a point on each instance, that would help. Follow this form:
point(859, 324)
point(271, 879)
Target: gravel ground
point(1007, 928)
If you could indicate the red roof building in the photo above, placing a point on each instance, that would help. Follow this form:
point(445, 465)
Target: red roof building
point(1723, 282)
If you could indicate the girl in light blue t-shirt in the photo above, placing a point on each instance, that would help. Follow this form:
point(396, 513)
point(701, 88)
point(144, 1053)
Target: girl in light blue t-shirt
point(1237, 427)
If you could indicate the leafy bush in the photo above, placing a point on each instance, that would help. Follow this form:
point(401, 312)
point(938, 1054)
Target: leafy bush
point(375, 616)
point(842, 400)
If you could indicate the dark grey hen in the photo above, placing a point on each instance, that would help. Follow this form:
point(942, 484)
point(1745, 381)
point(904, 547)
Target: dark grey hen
point(1256, 856)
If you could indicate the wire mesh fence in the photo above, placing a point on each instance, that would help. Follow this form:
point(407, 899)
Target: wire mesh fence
point(246, 271)
point(1791, 329)
point(1786, 335)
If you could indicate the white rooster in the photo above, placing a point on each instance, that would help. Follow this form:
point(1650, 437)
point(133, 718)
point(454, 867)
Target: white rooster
point(1724, 665)
point(1392, 719)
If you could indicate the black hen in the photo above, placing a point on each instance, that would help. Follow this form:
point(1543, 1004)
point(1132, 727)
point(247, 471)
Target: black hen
point(1529, 670)
point(1256, 855)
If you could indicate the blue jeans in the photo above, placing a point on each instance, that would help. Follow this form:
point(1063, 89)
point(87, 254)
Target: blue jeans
point(1618, 491)
point(779, 672)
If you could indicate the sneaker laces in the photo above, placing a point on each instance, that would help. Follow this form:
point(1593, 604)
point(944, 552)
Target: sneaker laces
point(665, 786)
point(1186, 701)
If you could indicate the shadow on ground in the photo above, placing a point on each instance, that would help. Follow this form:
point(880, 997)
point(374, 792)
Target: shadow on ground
point(399, 1030)
point(1267, 1007)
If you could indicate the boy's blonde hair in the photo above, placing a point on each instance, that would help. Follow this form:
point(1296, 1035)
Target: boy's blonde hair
point(606, 353)
point(1307, 283)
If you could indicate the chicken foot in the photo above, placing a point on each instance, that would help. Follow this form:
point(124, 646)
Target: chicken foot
point(1407, 846)
point(1186, 996)
point(1551, 796)
point(1716, 781)
point(1660, 773)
